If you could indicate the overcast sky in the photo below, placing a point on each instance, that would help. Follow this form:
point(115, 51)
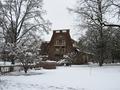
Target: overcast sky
point(60, 17)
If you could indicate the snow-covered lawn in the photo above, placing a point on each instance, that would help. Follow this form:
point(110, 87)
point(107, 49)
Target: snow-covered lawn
point(81, 77)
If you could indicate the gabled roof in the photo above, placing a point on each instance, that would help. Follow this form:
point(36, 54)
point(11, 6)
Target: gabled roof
point(61, 32)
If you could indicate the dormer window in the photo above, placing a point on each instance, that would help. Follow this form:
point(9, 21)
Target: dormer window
point(57, 31)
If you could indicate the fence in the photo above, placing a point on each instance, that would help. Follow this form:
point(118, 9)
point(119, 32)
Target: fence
point(6, 69)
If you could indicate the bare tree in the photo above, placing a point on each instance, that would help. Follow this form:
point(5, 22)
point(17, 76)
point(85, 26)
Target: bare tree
point(116, 45)
point(19, 18)
point(93, 12)
point(82, 43)
point(27, 53)
point(115, 14)
point(25, 58)
point(115, 26)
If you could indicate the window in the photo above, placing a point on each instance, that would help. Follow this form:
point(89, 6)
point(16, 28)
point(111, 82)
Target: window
point(56, 42)
point(60, 42)
point(57, 50)
point(63, 42)
point(63, 50)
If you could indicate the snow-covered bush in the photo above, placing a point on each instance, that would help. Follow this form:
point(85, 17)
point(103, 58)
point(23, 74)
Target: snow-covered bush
point(61, 62)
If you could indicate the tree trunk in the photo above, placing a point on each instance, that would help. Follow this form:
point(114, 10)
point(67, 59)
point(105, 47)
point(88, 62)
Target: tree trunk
point(100, 63)
point(25, 69)
point(100, 20)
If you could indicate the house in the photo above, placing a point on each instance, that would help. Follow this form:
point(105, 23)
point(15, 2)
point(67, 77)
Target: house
point(59, 45)
point(62, 44)
point(83, 57)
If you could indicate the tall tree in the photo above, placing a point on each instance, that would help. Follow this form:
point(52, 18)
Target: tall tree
point(93, 12)
point(20, 17)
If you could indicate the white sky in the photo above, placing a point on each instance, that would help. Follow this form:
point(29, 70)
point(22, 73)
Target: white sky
point(60, 17)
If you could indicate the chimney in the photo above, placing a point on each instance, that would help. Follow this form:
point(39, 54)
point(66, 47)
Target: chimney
point(54, 31)
point(68, 30)
point(60, 31)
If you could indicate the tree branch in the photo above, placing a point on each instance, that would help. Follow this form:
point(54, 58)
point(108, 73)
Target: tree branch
point(111, 25)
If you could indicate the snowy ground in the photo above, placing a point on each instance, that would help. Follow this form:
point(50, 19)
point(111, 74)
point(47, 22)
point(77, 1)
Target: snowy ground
point(81, 77)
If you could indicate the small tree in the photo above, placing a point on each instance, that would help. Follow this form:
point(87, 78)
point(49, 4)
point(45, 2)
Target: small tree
point(27, 53)
point(25, 58)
